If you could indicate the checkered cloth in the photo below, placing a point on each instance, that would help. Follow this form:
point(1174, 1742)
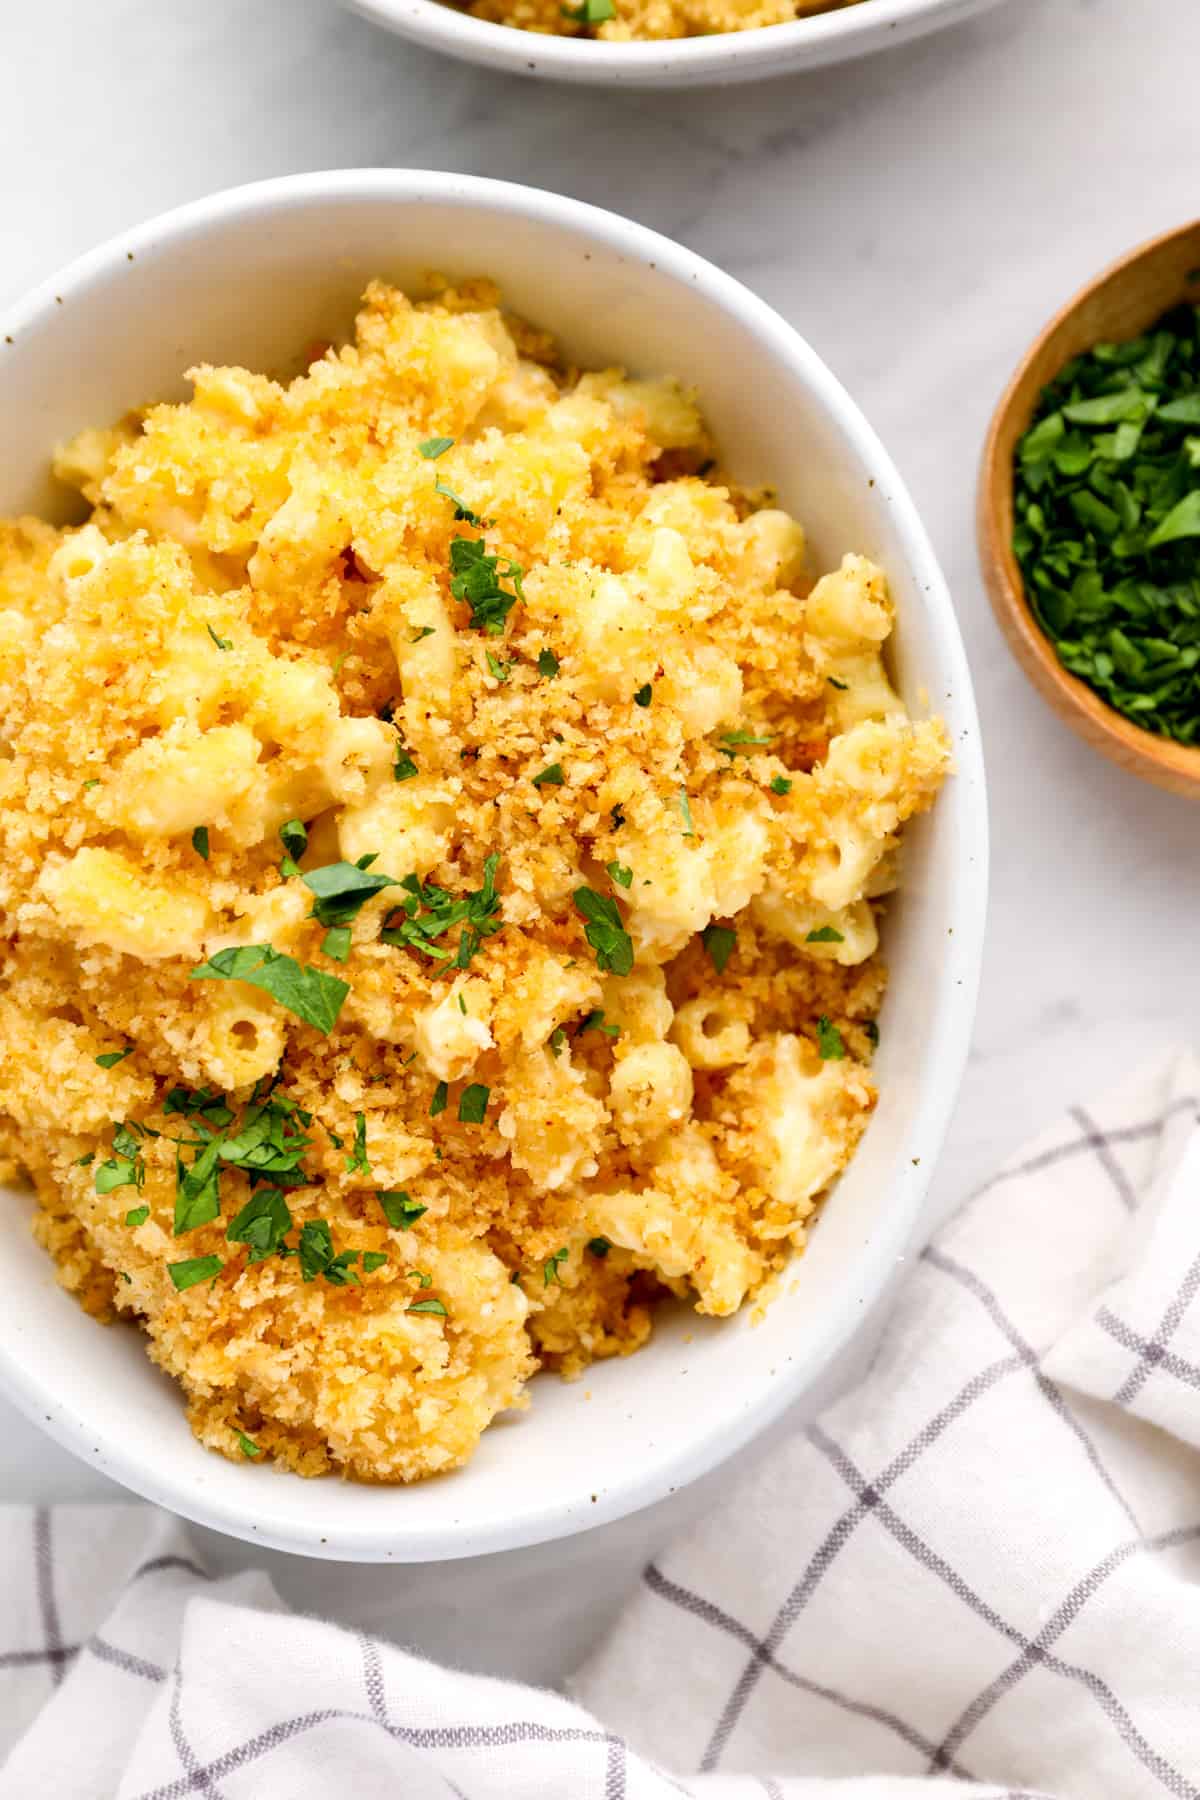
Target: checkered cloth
point(979, 1567)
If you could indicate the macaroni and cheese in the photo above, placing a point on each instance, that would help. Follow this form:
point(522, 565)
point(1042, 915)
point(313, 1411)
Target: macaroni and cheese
point(442, 840)
point(634, 21)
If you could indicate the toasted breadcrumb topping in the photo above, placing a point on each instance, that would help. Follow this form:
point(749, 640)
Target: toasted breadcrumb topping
point(597, 1101)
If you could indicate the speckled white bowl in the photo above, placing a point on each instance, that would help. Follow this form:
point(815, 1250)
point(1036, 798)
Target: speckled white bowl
point(251, 276)
point(725, 57)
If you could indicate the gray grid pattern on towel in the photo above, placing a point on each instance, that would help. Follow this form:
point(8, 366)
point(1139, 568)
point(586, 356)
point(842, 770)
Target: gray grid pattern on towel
point(892, 1451)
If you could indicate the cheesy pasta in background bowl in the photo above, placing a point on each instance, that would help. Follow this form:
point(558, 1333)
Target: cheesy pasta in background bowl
point(449, 804)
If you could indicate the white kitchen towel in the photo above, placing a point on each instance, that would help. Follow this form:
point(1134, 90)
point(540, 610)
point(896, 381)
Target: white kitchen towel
point(982, 1567)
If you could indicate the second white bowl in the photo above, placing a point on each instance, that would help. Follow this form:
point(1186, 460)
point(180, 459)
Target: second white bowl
point(252, 276)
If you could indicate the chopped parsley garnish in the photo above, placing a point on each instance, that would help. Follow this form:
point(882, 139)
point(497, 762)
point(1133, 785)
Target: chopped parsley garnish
point(340, 890)
point(317, 1257)
point(438, 1103)
point(337, 942)
point(551, 776)
point(476, 578)
point(420, 634)
point(429, 912)
point(270, 1143)
point(190, 1102)
point(429, 1306)
point(1106, 497)
point(126, 1167)
point(644, 695)
point(93, 781)
point(357, 1159)
point(781, 784)
point(399, 1208)
point(842, 686)
point(220, 642)
point(85, 1161)
point(547, 665)
point(621, 873)
point(137, 1215)
point(689, 830)
point(719, 941)
point(262, 1224)
point(599, 1246)
point(590, 12)
point(595, 1022)
point(824, 934)
point(247, 1446)
point(111, 1058)
point(420, 1276)
point(372, 1260)
point(200, 842)
point(551, 1267)
point(871, 1032)
point(605, 931)
point(734, 742)
point(461, 509)
point(198, 1188)
point(556, 1040)
point(193, 1269)
point(434, 447)
point(500, 670)
point(473, 1103)
point(404, 768)
point(617, 815)
point(294, 836)
point(830, 1047)
point(312, 995)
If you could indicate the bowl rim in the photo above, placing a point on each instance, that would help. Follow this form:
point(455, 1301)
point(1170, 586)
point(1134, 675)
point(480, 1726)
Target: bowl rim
point(1160, 760)
point(634, 1488)
point(821, 38)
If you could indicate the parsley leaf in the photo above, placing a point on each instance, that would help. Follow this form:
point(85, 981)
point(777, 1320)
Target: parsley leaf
point(399, 1208)
point(247, 1446)
point(734, 742)
point(551, 1267)
point(621, 873)
point(294, 836)
point(434, 447)
point(263, 1223)
point(357, 1159)
point(871, 1032)
point(461, 509)
point(372, 1260)
point(126, 1167)
point(476, 578)
point(552, 776)
point(824, 934)
point(473, 1103)
point(200, 1101)
point(111, 1058)
point(429, 1306)
point(556, 1040)
point(312, 995)
point(404, 768)
point(340, 889)
point(317, 1257)
point(500, 670)
point(830, 1047)
point(200, 842)
point(220, 642)
point(590, 12)
point(137, 1215)
point(689, 830)
point(193, 1269)
point(429, 912)
point(336, 943)
point(198, 1189)
point(547, 664)
point(595, 1022)
point(644, 695)
point(719, 941)
point(599, 1246)
point(438, 1103)
point(605, 930)
point(781, 785)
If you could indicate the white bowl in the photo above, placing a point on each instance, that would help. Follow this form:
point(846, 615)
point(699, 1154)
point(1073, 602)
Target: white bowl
point(725, 57)
point(251, 276)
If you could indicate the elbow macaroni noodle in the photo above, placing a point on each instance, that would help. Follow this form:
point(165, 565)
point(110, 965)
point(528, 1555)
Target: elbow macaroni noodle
point(561, 655)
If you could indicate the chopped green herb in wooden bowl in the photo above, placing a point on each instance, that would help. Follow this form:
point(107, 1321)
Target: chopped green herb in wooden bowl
point(1089, 512)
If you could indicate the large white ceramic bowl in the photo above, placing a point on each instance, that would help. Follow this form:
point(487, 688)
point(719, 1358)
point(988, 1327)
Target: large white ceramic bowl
point(251, 276)
point(810, 43)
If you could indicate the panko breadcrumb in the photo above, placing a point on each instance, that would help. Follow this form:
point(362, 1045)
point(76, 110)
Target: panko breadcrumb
point(634, 21)
point(558, 805)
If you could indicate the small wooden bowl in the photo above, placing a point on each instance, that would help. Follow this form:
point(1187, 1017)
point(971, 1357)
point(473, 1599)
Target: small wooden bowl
point(1123, 301)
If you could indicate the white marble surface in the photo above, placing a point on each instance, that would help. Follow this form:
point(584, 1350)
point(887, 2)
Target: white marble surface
point(917, 215)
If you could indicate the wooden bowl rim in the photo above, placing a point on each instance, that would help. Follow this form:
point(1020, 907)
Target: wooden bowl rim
point(1145, 752)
